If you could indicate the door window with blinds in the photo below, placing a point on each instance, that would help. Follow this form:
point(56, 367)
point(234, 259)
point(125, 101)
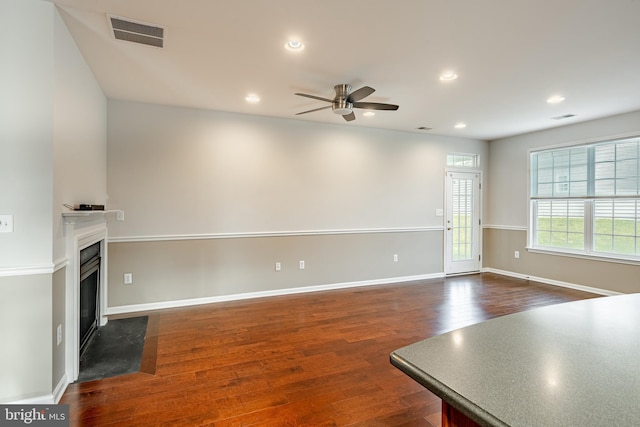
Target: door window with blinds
point(586, 199)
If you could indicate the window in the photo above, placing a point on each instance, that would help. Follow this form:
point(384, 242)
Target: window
point(462, 160)
point(586, 199)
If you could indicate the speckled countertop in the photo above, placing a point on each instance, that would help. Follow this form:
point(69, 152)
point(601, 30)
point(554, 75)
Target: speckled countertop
point(571, 364)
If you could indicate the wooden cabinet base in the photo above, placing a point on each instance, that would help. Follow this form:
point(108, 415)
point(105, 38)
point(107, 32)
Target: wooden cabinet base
point(451, 417)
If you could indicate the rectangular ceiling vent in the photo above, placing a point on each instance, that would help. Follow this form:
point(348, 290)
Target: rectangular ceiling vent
point(137, 32)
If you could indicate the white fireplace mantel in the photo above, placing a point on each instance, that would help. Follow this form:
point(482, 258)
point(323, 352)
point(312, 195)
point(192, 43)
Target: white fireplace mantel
point(78, 216)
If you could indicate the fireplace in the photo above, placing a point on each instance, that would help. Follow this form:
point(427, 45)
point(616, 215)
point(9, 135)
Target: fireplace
point(84, 230)
point(89, 294)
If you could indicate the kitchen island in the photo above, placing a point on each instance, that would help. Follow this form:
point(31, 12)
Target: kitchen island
point(570, 364)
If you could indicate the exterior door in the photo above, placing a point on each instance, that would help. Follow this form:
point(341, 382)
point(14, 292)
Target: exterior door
point(462, 231)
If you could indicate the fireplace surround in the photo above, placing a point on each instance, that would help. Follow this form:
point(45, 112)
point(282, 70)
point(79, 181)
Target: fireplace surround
point(82, 230)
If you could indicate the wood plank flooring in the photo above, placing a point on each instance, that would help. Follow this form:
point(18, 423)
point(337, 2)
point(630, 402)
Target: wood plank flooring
point(315, 359)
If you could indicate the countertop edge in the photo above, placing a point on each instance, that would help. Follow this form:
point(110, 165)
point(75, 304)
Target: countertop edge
point(459, 402)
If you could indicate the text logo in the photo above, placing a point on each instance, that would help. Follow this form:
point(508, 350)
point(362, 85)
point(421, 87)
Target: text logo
point(34, 415)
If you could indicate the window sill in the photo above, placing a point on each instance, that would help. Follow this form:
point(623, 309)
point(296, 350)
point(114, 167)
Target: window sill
point(580, 255)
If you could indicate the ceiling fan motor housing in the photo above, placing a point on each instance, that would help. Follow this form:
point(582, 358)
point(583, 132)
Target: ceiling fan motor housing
point(340, 104)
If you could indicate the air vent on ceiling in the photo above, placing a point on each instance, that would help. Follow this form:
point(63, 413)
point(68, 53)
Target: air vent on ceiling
point(564, 116)
point(137, 32)
point(423, 128)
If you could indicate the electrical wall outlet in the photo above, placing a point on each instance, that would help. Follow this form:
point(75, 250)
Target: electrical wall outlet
point(395, 257)
point(301, 264)
point(278, 266)
point(120, 216)
point(59, 335)
point(6, 223)
point(516, 254)
point(128, 278)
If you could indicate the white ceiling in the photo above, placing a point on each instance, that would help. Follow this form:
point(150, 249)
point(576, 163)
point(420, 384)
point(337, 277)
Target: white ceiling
point(510, 55)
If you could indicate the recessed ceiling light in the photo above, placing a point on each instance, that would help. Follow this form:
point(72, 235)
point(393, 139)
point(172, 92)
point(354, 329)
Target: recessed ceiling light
point(448, 76)
point(252, 98)
point(294, 45)
point(369, 114)
point(555, 99)
point(460, 125)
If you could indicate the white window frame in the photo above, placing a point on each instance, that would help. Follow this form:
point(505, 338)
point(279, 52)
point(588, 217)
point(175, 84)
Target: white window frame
point(589, 202)
point(474, 166)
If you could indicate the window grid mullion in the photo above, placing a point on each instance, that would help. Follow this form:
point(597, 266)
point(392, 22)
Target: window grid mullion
point(589, 217)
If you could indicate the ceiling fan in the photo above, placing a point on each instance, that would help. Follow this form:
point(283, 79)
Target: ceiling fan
point(345, 101)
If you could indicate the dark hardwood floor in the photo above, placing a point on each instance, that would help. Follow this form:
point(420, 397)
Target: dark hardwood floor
point(315, 359)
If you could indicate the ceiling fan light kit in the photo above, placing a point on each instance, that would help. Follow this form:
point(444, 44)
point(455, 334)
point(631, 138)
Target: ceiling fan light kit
point(342, 107)
point(345, 101)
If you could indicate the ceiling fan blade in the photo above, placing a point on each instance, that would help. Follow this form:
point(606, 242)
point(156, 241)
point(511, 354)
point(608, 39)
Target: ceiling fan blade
point(361, 93)
point(349, 117)
point(315, 109)
point(375, 106)
point(315, 97)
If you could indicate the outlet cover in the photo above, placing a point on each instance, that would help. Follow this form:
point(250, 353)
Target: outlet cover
point(301, 265)
point(128, 278)
point(278, 266)
point(59, 335)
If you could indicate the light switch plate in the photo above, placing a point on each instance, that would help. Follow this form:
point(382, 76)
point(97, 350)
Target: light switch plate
point(6, 223)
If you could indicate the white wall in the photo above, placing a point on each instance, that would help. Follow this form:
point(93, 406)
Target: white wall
point(178, 171)
point(506, 223)
point(52, 114)
point(287, 190)
point(26, 120)
point(508, 180)
point(79, 160)
point(79, 133)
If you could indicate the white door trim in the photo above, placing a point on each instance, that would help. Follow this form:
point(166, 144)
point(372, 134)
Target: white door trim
point(472, 263)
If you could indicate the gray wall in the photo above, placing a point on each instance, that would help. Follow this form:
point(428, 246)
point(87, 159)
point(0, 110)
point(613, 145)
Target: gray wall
point(25, 328)
point(506, 222)
point(57, 318)
point(52, 115)
point(204, 268)
point(260, 190)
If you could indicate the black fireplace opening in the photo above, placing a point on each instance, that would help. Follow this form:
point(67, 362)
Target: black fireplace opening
point(89, 294)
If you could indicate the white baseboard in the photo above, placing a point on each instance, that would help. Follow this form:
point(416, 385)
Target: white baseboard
point(46, 399)
point(597, 291)
point(249, 295)
point(60, 388)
